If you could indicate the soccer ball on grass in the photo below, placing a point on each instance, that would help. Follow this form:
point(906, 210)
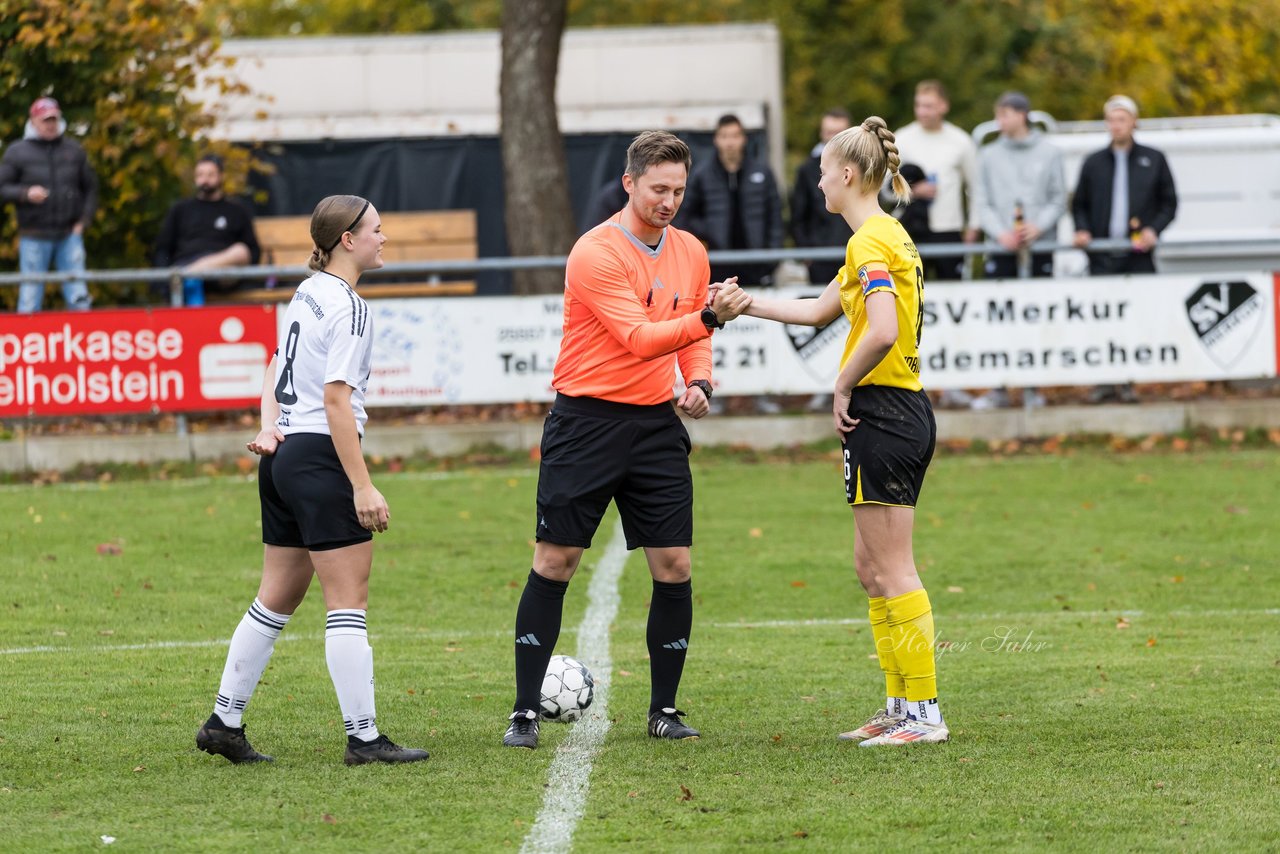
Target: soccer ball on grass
point(567, 690)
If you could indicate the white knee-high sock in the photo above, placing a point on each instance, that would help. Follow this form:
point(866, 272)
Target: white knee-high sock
point(346, 648)
point(251, 647)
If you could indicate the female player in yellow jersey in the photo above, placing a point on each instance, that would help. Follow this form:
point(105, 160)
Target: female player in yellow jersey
point(884, 420)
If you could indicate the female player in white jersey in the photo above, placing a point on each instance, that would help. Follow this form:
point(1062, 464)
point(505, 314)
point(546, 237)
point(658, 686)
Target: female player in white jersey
point(319, 506)
point(884, 420)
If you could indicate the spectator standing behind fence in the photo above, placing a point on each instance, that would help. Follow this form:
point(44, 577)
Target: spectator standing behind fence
point(1020, 196)
point(732, 202)
point(1021, 193)
point(949, 161)
point(1125, 192)
point(48, 178)
point(206, 232)
point(811, 223)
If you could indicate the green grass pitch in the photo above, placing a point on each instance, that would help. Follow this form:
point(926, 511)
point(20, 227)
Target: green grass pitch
point(1108, 668)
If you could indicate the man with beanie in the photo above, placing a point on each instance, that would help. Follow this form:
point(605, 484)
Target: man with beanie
point(1125, 192)
point(1020, 194)
point(1019, 197)
point(48, 178)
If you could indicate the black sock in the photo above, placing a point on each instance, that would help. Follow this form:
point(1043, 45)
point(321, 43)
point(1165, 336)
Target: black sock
point(670, 618)
point(537, 630)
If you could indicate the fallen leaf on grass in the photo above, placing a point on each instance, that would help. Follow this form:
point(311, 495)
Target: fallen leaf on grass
point(685, 794)
point(328, 819)
point(954, 589)
point(138, 769)
point(776, 737)
point(1151, 641)
point(1159, 784)
point(1235, 510)
point(801, 834)
point(1122, 623)
point(798, 584)
point(755, 533)
point(624, 672)
point(633, 794)
point(109, 549)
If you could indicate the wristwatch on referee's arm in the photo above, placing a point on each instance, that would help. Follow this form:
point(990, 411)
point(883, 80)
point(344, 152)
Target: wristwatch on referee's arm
point(705, 385)
point(710, 320)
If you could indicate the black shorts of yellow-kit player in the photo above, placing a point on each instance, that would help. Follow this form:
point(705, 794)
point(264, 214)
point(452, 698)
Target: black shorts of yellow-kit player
point(307, 500)
point(886, 455)
point(596, 451)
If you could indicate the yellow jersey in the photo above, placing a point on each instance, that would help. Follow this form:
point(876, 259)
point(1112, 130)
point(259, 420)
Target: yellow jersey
point(883, 239)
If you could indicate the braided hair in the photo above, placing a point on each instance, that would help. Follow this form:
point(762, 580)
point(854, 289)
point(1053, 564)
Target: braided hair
point(872, 147)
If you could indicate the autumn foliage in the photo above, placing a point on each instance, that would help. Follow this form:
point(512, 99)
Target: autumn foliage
point(124, 72)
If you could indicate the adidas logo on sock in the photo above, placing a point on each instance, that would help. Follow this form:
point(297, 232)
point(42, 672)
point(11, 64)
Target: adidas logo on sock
point(528, 640)
point(680, 644)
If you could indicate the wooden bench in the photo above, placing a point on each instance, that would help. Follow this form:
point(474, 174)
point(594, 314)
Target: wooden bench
point(411, 236)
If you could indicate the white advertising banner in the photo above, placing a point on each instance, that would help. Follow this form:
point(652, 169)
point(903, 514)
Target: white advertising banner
point(1041, 332)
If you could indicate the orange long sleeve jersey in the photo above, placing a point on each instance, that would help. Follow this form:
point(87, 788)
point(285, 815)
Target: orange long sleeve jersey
point(630, 313)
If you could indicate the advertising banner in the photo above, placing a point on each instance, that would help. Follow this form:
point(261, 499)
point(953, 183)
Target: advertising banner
point(1039, 332)
point(134, 360)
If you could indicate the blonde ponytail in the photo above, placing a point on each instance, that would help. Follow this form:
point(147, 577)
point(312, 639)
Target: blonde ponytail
point(873, 149)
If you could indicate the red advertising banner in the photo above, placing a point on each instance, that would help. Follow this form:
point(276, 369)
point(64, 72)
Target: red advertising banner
point(134, 360)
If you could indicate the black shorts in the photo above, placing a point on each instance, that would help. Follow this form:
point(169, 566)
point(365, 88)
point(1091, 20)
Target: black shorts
point(886, 455)
point(307, 501)
point(594, 451)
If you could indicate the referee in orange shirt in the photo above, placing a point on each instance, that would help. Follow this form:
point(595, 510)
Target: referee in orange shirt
point(635, 305)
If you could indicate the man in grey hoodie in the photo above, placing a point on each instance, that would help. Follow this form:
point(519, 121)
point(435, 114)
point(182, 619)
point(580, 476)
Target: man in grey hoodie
point(1021, 193)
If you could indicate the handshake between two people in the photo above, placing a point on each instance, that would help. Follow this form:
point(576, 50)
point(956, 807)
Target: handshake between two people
point(727, 301)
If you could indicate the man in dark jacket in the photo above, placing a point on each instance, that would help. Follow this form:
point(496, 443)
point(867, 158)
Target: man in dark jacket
point(811, 223)
point(1126, 191)
point(48, 178)
point(732, 202)
point(205, 233)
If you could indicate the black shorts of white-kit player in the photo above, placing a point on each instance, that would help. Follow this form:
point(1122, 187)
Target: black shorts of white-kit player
point(594, 451)
point(307, 500)
point(886, 455)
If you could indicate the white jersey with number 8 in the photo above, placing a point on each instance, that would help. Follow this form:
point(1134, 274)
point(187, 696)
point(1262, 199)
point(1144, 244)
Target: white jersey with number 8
point(326, 336)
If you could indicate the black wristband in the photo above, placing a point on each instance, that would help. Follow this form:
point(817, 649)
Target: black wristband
point(710, 320)
point(705, 385)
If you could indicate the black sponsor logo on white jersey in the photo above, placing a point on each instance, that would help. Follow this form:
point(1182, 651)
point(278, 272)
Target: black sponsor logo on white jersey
point(1226, 316)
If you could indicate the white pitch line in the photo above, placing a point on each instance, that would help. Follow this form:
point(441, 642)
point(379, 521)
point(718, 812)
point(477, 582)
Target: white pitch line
point(444, 634)
point(569, 777)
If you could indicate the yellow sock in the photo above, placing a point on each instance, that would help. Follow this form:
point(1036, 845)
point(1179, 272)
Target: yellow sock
point(878, 614)
point(911, 624)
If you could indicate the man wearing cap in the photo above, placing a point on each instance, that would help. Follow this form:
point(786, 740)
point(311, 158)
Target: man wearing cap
point(205, 233)
point(1125, 192)
point(48, 177)
point(1020, 194)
